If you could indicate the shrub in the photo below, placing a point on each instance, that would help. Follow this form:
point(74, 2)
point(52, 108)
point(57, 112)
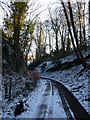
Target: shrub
point(33, 75)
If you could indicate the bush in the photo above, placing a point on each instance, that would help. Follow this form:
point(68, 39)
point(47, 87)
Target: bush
point(33, 75)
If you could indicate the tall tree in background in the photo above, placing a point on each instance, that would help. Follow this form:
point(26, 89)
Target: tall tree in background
point(69, 28)
point(89, 17)
point(71, 20)
point(39, 40)
point(54, 20)
point(14, 22)
point(81, 57)
point(80, 21)
point(19, 10)
point(19, 24)
point(81, 24)
point(84, 27)
point(47, 34)
point(27, 38)
point(59, 28)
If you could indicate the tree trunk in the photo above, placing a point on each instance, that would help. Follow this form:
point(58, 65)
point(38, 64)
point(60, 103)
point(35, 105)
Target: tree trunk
point(69, 28)
point(56, 41)
point(89, 19)
point(84, 32)
point(50, 43)
point(68, 45)
point(80, 25)
point(77, 51)
point(16, 44)
point(82, 59)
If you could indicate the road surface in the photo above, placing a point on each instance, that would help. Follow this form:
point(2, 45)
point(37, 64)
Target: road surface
point(53, 100)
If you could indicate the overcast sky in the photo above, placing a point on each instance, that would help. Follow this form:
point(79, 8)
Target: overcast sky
point(43, 3)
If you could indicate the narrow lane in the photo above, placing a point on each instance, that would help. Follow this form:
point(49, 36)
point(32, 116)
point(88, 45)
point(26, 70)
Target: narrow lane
point(72, 107)
point(42, 107)
point(52, 100)
point(50, 105)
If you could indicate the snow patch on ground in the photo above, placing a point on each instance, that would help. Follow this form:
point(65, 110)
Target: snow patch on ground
point(77, 83)
point(58, 111)
point(54, 103)
point(33, 101)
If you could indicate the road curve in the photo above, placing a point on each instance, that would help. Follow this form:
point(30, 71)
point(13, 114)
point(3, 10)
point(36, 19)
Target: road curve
point(71, 105)
point(50, 100)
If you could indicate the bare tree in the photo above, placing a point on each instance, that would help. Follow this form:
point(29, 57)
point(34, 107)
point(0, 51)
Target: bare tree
point(77, 50)
point(39, 40)
point(55, 24)
point(47, 34)
point(59, 28)
point(89, 17)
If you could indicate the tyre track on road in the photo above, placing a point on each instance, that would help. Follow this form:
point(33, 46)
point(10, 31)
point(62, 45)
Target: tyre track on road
point(42, 107)
point(49, 100)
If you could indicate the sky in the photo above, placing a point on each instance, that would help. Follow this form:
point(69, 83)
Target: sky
point(43, 3)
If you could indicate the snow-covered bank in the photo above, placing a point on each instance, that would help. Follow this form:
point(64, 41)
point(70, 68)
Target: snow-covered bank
point(76, 79)
point(77, 82)
point(20, 89)
point(34, 104)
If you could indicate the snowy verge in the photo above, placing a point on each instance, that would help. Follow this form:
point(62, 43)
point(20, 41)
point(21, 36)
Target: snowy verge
point(77, 82)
